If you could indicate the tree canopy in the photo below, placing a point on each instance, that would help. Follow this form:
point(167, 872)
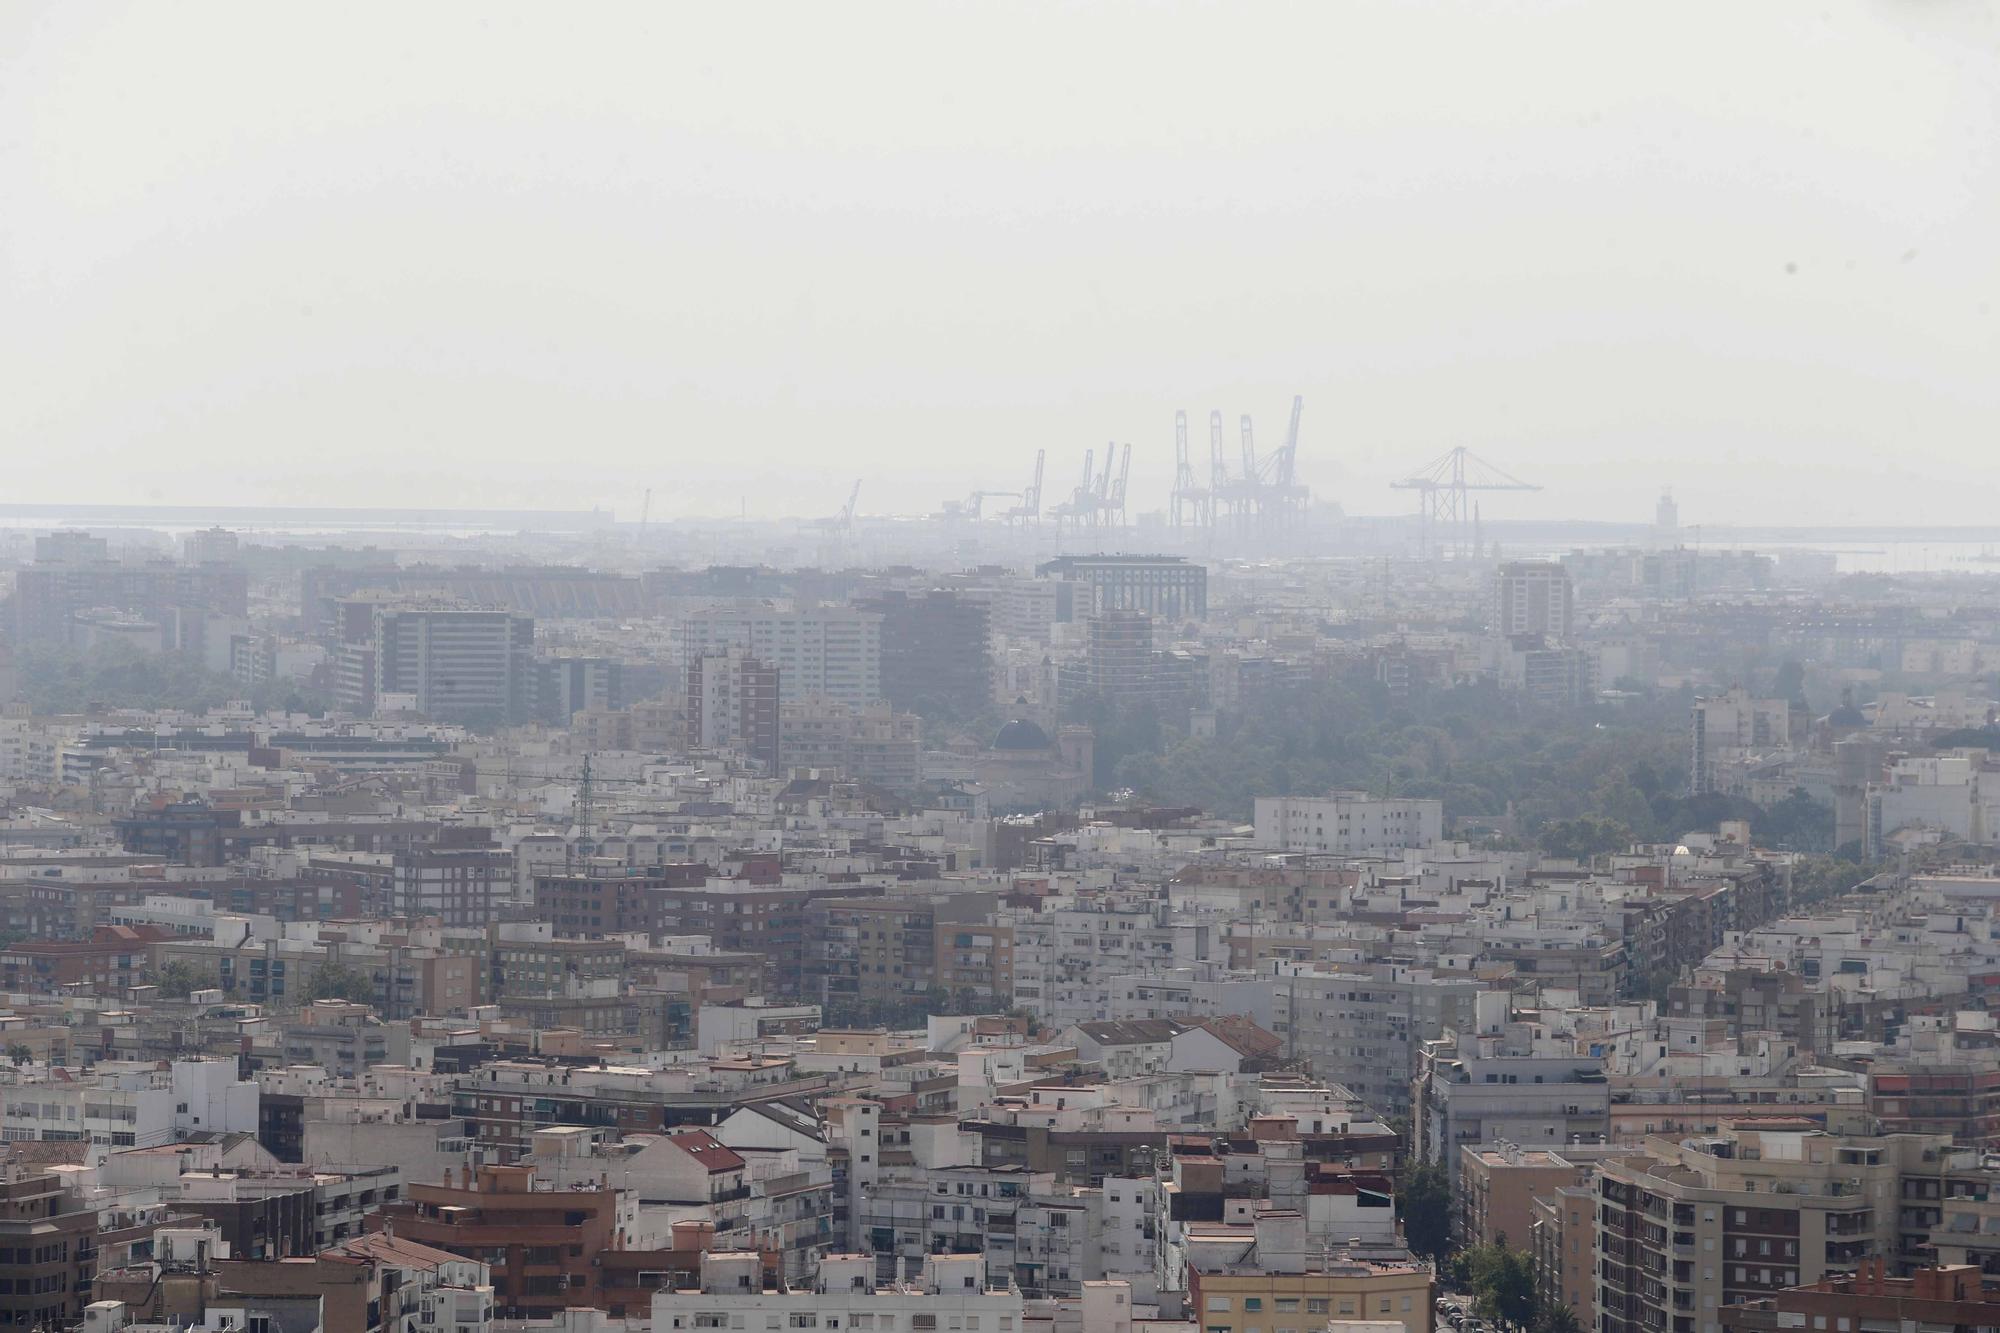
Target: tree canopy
point(1583, 780)
point(1425, 1205)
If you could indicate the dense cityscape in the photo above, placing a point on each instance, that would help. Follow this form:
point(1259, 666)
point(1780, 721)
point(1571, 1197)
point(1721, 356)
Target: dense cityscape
point(1251, 923)
point(1060, 666)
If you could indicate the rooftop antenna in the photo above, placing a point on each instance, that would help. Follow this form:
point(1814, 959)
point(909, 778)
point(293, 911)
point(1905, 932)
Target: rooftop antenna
point(583, 817)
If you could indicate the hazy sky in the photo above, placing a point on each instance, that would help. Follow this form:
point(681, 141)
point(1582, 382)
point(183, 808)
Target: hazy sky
point(554, 254)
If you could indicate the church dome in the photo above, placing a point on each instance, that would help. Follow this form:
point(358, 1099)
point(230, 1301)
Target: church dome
point(1021, 734)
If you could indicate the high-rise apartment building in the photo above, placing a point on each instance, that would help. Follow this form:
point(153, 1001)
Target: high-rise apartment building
point(1170, 586)
point(819, 652)
point(934, 651)
point(732, 704)
point(211, 546)
point(1533, 597)
point(1689, 1226)
point(567, 684)
point(450, 663)
point(51, 594)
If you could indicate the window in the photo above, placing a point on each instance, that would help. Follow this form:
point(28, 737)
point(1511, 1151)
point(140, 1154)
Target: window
point(1218, 1305)
point(1253, 1304)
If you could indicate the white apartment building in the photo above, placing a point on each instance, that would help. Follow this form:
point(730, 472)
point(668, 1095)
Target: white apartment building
point(1068, 958)
point(1728, 728)
point(1953, 794)
point(1206, 992)
point(822, 652)
point(128, 1105)
point(31, 751)
point(951, 1292)
point(1348, 823)
point(1364, 1027)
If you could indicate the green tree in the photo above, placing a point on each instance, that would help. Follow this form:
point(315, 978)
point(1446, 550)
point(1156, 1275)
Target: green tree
point(65, 680)
point(1816, 878)
point(1797, 824)
point(338, 981)
point(1556, 1318)
point(1651, 985)
point(1581, 839)
point(1502, 1282)
point(19, 1054)
point(1425, 1205)
point(177, 979)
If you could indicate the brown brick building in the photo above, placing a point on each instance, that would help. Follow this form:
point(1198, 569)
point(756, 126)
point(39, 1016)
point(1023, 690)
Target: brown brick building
point(47, 1250)
point(1869, 1301)
point(539, 1243)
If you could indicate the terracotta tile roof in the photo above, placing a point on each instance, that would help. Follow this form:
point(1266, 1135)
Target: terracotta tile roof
point(705, 1148)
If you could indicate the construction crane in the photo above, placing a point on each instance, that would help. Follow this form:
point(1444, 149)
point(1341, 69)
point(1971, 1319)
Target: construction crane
point(1282, 467)
point(1189, 500)
point(1221, 490)
point(1263, 495)
point(1195, 505)
point(1114, 503)
point(1082, 503)
point(1030, 508)
point(843, 522)
point(1283, 500)
point(974, 504)
point(1443, 488)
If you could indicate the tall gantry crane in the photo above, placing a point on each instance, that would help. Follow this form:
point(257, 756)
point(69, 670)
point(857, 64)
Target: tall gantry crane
point(1444, 487)
point(1082, 503)
point(1030, 508)
point(1190, 502)
point(973, 506)
point(1284, 499)
point(1114, 501)
point(843, 522)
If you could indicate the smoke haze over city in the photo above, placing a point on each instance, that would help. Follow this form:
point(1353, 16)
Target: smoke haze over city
point(530, 256)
